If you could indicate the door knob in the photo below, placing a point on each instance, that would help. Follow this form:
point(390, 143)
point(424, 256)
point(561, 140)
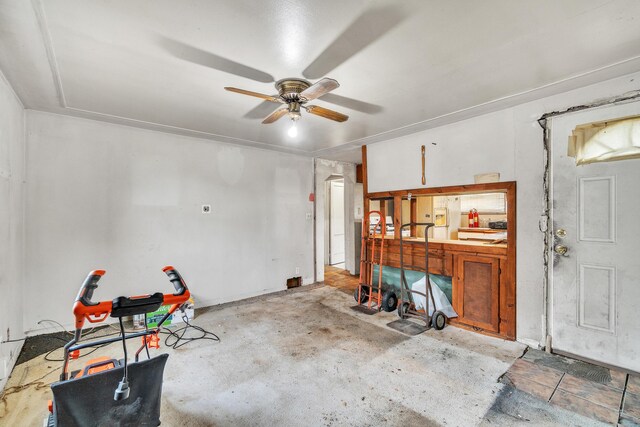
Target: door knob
point(561, 250)
point(561, 233)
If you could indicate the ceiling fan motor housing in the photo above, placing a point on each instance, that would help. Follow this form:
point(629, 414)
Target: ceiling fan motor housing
point(290, 89)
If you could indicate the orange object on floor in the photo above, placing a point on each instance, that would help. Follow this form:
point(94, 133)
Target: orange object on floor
point(369, 258)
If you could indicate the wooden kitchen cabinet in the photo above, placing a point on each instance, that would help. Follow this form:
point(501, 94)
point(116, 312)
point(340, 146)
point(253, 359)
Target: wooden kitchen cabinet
point(476, 283)
point(440, 261)
point(483, 275)
point(483, 288)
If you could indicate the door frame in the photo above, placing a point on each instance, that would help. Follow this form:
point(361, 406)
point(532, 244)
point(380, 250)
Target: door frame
point(323, 169)
point(328, 202)
point(545, 224)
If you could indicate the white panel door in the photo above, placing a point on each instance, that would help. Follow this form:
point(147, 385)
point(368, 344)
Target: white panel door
point(336, 223)
point(596, 284)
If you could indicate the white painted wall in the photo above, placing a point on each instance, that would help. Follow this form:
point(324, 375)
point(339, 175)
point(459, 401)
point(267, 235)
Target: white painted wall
point(324, 170)
point(11, 226)
point(508, 142)
point(129, 201)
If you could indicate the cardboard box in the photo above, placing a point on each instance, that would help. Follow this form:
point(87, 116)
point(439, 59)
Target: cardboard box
point(176, 317)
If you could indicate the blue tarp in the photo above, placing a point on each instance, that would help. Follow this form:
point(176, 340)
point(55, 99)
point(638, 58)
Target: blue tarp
point(391, 279)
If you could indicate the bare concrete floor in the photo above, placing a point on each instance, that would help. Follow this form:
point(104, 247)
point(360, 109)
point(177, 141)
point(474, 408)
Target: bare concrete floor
point(305, 358)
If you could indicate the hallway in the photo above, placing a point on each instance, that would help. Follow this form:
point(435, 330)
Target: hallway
point(340, 279)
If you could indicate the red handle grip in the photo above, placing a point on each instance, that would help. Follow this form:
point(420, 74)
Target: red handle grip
point(84, 307)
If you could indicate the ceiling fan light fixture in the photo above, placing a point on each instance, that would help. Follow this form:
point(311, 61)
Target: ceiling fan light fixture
point(294, 110)
point(293, 130)
point(295, 115)
point(295, 93)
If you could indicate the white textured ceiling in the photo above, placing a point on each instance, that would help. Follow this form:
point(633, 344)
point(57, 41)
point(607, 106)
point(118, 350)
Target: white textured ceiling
point(403, 66)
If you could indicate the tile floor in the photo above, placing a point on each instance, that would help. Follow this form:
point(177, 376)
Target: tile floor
point(594, 391)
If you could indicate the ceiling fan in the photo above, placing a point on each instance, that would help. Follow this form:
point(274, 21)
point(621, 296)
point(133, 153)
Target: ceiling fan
point(295, 93)
point(365, 29)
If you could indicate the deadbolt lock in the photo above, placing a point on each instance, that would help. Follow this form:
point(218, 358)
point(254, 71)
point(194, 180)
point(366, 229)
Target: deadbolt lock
point(561, 233)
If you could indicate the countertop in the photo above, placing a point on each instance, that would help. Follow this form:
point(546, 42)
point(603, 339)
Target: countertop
point(482, 230)
point(456, 242)
point(451, 242)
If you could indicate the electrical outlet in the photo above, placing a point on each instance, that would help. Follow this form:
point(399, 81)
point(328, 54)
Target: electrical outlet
point(297, 270)
point(206, 209)
point(309, 216)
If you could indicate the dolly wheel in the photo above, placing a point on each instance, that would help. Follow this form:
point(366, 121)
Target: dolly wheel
point(364, 296)
point(403, 309)
point(438, 320)
point(389, 301)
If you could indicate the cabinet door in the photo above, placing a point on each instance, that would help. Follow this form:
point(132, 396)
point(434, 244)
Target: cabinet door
point(478, 291)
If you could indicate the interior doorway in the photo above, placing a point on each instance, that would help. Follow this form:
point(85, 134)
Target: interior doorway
point(335, 222)
point(594, 234)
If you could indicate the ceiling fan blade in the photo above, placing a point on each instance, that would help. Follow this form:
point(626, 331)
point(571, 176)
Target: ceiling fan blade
point(366, 29)
point(326, 113)
point(198, 56)
point(259, 111)
point(275, 115)
point(256, 94)
point(319, 88)
point(353, 104)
